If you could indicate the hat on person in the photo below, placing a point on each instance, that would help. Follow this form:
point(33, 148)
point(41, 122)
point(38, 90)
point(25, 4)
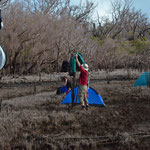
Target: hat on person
point(85, 67)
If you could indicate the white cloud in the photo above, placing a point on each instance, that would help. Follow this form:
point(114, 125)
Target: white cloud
point(103, 8)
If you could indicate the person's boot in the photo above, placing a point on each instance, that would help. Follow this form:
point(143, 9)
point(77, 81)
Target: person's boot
point(87, 107)
point(83, 106)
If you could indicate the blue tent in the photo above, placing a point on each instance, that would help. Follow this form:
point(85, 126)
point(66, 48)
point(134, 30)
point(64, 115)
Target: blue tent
point(143, 80)
point(93, 97)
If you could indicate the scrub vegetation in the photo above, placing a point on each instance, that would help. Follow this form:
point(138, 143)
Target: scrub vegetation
point(38, 35)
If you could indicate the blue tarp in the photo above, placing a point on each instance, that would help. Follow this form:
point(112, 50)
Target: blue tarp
point(63, 89)
point(93, 98)
point(143, 80)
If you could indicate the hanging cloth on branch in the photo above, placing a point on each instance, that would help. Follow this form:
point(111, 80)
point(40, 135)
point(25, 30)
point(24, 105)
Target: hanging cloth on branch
point(73, 65)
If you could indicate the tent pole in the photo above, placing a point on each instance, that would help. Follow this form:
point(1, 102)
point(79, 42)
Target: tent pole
point(73, 86)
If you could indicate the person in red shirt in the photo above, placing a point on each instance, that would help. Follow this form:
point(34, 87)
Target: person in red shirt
point(83, 79)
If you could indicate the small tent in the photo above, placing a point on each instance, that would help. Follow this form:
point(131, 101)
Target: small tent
point(93, 98)
point(143, 80)
point(2, 58)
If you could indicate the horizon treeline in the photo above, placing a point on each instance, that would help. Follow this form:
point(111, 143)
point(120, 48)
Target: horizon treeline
point(39, 34)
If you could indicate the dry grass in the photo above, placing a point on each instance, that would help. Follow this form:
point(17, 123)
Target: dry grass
point(38, 121)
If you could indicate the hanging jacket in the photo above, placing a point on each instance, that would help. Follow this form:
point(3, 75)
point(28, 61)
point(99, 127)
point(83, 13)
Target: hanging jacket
point(73, 65)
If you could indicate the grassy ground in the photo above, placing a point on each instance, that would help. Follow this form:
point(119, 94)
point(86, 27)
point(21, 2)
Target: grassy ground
point(32, 117)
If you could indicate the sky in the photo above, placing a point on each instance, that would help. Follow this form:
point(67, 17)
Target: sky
point(103, 6)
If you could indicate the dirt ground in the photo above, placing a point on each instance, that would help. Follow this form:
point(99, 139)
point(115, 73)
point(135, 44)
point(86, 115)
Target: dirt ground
point(32, 117)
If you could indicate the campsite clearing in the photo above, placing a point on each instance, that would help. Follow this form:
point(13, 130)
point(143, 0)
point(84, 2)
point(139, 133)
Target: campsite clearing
point(32, 116)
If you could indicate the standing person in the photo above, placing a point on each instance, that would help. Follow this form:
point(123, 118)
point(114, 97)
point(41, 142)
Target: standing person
point(83, 79)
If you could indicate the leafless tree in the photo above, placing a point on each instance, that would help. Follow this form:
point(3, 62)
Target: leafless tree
point(38, 35)
point(39, 38)
point(108, 56)
point(124, 21)
point(3, 3)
